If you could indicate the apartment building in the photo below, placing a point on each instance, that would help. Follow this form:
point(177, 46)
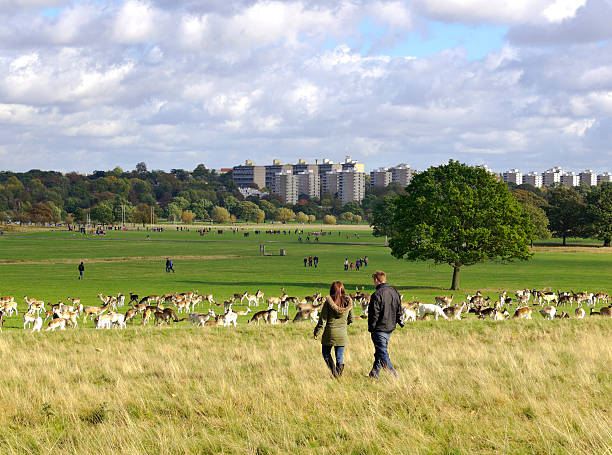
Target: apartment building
point(286, 186)
point(380, 177)
point(248, 174)
point(513, 176)
point(351, 186)
point(352, 165)
point(309, 183)
point(303, 166)
point(402, 174)
point(330, 182)
point(552, 176)
point(588, 177)
point(275, 168)
point(605, 177)
point(533, 178)
point(570, 179)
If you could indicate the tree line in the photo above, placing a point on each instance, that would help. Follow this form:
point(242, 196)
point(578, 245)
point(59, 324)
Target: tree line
point(200, 195)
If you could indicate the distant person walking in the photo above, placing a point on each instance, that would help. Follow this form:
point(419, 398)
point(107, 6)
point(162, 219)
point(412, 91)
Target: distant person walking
point(384, 312)
point(315, 261)
point(336, 315)
point(346, 264)
point(81, 271)
point(305, 261)
point(169, 266)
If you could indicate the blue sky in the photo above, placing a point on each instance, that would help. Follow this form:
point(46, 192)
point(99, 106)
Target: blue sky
point(524, 84)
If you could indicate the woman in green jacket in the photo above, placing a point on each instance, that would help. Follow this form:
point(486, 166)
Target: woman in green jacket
point(336, 315)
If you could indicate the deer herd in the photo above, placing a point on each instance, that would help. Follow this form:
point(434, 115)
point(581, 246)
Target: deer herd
point(165, 309)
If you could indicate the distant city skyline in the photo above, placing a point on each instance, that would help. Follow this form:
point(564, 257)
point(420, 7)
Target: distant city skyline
point(90, 85)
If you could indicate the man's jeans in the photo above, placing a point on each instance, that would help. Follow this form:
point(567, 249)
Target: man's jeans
point(381, 355)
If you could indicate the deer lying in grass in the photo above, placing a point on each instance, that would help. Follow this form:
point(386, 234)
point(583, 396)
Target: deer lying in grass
point(268, 316)
point(500, 316)
point(523, 313)
point(548, 312)
point(243, 312)
point(605, 312)
point(579, 313)
point(429, 308)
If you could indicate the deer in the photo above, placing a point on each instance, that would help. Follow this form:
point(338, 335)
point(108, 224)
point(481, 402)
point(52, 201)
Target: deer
point(38, 322)
point(200, 319)
point(129, 314)
point(579, 313)
point(548, 312)
point(601, 296)
point(408, 314)
point(118, 319)
point(28, 319)
point(103, 321)
point(230, 318)
point(583, 297)
point(428, 308)
point(208, 297)
point(76, 303)
point(11, 307)
point(194, 301)
point(254, 298)
point(120, 300)
point(57, 323)
point(499, 316)
point(444, 301)
point(606, 312)
point(94, 311)
point(241, 296)
point(268, 316)
point(523, 313)
point(311, 314)
point(454, 312)
point(243, 312)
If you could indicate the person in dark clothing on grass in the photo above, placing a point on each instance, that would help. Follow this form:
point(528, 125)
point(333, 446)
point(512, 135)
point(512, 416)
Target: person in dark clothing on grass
point(81, 271)
point(315, 261)
point(384, 312)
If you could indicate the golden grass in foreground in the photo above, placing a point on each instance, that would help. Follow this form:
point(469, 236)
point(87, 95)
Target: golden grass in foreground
point(516, 387)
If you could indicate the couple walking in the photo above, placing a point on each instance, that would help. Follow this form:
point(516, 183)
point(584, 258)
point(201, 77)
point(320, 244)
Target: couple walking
point(384, 313)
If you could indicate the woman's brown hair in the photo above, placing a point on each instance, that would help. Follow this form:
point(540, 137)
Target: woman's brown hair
point(338, 294)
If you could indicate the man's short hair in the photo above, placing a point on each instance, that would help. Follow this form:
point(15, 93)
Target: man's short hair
point(380, 276)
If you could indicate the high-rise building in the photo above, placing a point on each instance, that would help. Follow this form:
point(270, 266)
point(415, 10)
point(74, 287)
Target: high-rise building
point(605, 177)
point(380, 177)
point(402, 174)
point(588, 177)
point(303, 166)
point(351, 186)
point(309, 183)
point(286, 186)
point(326, 166)
point(533, 178)
point(513, 176)
point(552, 176)
point(570, 179)
point(330, 183)
point(249, 174)
point(352, 165)
point(272, 170)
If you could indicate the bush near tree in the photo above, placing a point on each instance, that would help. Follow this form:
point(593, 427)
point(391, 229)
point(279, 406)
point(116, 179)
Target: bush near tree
point(329, 219)
point(220, 215)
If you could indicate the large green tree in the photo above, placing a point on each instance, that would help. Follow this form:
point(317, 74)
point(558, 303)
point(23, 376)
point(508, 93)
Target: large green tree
point(566, 212)
point(599, 212)
point(459, 215)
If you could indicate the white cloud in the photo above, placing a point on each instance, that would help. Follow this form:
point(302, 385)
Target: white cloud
point(135, 22)
point(562, 9)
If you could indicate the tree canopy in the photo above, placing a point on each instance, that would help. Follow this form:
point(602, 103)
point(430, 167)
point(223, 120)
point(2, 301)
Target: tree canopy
point(458, 215)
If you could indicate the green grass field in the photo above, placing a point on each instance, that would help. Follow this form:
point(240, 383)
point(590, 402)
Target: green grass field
point(472, 386)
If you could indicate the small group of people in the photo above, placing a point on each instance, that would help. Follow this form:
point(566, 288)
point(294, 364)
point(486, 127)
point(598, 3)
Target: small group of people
point(169, 266)
point(384, 313)
point(359, 263)
point(311, 260)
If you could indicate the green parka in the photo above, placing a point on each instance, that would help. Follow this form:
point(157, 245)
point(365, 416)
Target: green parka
point(334, 320)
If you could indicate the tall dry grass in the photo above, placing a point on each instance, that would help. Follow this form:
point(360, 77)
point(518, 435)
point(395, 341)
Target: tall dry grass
point(532, 387)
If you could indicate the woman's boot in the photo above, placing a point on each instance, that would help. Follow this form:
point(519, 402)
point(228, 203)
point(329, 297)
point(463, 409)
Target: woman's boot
point(339, 369)
point(332, 367)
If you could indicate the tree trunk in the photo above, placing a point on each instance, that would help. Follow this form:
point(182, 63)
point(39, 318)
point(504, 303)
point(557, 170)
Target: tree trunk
point(607, 242)
point(564, 243)
point(456, 270)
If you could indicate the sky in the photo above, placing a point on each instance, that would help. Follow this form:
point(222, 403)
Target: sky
point(94, 84)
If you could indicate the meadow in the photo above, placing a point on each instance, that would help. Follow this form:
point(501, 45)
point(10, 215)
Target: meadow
point(471, 386)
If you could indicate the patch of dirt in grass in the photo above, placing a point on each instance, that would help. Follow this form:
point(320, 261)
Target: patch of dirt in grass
point(572, 249)
point(121, 259)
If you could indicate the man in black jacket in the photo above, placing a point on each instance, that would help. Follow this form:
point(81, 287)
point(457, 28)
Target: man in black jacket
point(384, 312)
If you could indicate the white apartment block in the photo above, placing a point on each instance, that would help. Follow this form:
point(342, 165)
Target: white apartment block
point(351, 186)
point(570, 179)
point(605, 177)
point(273, 169)
point(402, 174)
point(513, 176)
point(380, 177)
point(309, 183)
point(286, 186)
point(588, 177)
point(552, 176)
point(533, 178)
point(330, 182)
